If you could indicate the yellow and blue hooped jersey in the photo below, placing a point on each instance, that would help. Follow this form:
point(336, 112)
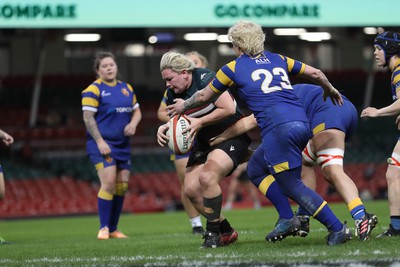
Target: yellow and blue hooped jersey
point(395, 80)
point(113, 105)
point(262, 81)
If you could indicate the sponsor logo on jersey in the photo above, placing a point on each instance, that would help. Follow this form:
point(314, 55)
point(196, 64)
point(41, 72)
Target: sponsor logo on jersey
point(104, 94)
point(232, 148)
point(206, 76)
point(120, 110)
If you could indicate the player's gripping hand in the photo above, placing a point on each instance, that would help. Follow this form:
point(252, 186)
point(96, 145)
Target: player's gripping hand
point(162, 138)
point(334, 95)
point(177, 108)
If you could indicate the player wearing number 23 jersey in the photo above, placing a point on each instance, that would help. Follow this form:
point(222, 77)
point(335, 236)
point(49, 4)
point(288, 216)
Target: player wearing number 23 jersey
point(263, 82)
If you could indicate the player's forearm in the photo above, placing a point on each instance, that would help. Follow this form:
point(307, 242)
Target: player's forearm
point(318, 77)
point(216, 116)
point(201, 97)
point(240, 127)
point(2, 134)
point(91, 126)
point(391, 110)
point(136, 117)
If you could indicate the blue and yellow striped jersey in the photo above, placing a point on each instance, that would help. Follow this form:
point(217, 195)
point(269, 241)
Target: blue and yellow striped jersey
point(395, 81)
point(263, 83)
point(113, 105)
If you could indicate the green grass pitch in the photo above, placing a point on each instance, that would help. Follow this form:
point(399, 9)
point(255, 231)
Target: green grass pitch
point(165, 239)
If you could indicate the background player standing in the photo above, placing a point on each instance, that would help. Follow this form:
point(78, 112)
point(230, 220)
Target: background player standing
point(111, 114)
point(387, 54)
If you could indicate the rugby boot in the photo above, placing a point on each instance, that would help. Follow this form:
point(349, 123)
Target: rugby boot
point(305, 225)
point(284, 228)
point(117, 234)
point(389, 232)
point(365, 226)
point(103, 234)
point(340, 237)
point(228, 238)
point(211, 240)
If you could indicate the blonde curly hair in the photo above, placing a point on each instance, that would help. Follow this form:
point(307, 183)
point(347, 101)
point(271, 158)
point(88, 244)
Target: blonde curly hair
point(176, 61)
point(248, 36)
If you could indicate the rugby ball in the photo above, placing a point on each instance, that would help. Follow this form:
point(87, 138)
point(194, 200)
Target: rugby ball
point(179, 142)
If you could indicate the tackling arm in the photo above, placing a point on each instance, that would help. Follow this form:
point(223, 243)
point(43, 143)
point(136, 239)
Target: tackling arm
point(225, 107)
point(203, 96)
point(240, 127)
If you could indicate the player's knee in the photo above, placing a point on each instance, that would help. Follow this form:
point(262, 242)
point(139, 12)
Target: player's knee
point(207, 178)
point(190, 191)
point(109, 188)
point(332, 173)
point(393, 175)
point(121, 189)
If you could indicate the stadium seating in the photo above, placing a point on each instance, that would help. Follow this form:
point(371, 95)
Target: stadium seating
point(148, 192)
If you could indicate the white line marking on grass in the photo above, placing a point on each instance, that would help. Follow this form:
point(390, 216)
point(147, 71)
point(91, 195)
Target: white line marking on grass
point(221, 259)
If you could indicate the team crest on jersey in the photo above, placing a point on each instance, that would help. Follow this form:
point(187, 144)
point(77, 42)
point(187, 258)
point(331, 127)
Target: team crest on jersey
point(125, 92)
point(108, 158)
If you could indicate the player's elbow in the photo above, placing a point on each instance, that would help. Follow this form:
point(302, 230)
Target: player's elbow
point(231, 111)
point(312, 73)
point(162, 116)
point(317, 74)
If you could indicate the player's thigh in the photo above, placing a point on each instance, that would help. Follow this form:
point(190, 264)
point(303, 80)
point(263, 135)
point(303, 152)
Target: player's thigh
point(123, 175)
point(218, 165)
point(180, 167)
point(2, 186)
point(330, 138)
point(108, 176)
point(396, 148)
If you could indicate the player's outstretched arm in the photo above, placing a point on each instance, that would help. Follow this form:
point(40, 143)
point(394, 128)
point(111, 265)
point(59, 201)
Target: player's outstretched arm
point(6, 138)
point(318, 77)
point(391, 110)
point(240, 127)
